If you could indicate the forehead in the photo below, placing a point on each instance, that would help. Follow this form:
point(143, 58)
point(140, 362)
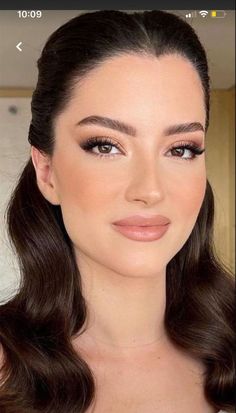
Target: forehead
point(142, 89)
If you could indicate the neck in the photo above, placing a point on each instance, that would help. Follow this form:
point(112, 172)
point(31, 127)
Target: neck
point(123, 312)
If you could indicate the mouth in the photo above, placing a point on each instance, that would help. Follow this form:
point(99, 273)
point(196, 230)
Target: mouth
point(142, 233)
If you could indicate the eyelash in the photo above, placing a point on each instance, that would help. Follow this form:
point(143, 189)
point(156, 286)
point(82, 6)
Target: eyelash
point(97, 141)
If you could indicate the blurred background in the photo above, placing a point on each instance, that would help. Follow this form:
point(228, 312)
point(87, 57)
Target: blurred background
point(23, 38)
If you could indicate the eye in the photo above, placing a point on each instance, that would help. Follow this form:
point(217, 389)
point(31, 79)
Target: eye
point(103, 145)
point(186, 151)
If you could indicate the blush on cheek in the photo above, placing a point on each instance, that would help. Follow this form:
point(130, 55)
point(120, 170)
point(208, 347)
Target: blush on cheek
point(193, 199)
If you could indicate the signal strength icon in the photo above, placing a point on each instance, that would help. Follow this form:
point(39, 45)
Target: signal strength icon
point(203, 13)
point(192, 14)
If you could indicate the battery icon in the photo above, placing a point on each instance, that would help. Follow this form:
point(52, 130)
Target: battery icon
point(219, 14)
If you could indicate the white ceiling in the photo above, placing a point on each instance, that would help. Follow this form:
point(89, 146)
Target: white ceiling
point(18, 69)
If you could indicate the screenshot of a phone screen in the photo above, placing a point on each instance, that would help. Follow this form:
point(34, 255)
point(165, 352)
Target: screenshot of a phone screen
point(23, 34)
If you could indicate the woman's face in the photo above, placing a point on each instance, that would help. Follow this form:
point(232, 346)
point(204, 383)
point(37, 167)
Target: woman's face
point(145, 175)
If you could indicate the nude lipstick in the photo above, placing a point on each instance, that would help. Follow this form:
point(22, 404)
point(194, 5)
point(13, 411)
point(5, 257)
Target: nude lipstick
point(143, 227)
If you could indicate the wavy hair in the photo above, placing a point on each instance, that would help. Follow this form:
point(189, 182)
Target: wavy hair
point(41, 370)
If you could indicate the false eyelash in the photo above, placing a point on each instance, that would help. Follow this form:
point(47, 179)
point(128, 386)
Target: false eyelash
point(95, 141)
point(194, 148)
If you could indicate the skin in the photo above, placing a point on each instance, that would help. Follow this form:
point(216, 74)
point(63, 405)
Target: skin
point(123, 280)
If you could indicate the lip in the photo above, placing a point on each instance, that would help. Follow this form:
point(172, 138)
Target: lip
point(143, 221)
point(143, 228)
point(142, 233)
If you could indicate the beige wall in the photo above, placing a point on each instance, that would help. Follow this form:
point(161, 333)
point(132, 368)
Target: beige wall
point(220, 158)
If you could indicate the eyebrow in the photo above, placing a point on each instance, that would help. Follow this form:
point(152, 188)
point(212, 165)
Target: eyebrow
point(130, 130)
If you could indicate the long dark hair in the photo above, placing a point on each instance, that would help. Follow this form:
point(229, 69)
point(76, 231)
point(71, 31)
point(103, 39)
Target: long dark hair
point(41, 370)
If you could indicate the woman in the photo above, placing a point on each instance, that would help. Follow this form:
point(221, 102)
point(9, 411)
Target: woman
point(123, 305)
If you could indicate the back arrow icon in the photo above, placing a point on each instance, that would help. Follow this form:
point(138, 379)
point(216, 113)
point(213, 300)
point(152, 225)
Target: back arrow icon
point(18, 46)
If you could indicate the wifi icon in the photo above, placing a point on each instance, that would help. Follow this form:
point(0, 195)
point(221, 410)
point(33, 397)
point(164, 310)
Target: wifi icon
point(203, 13)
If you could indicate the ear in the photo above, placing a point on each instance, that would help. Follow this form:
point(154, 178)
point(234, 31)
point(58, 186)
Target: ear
point(43, 168)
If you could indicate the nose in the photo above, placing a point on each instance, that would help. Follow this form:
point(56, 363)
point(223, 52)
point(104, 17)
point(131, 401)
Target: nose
point(146, 182)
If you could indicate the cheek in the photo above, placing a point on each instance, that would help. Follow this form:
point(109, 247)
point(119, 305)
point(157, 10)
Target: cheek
point(187, 199)
point(188, 196)
point(193, 198)
point(85, 192)
point(92, 192)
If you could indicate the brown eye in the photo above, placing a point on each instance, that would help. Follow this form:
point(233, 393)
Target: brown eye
point(104, 146)
point(191, 149)
point(178, 151)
